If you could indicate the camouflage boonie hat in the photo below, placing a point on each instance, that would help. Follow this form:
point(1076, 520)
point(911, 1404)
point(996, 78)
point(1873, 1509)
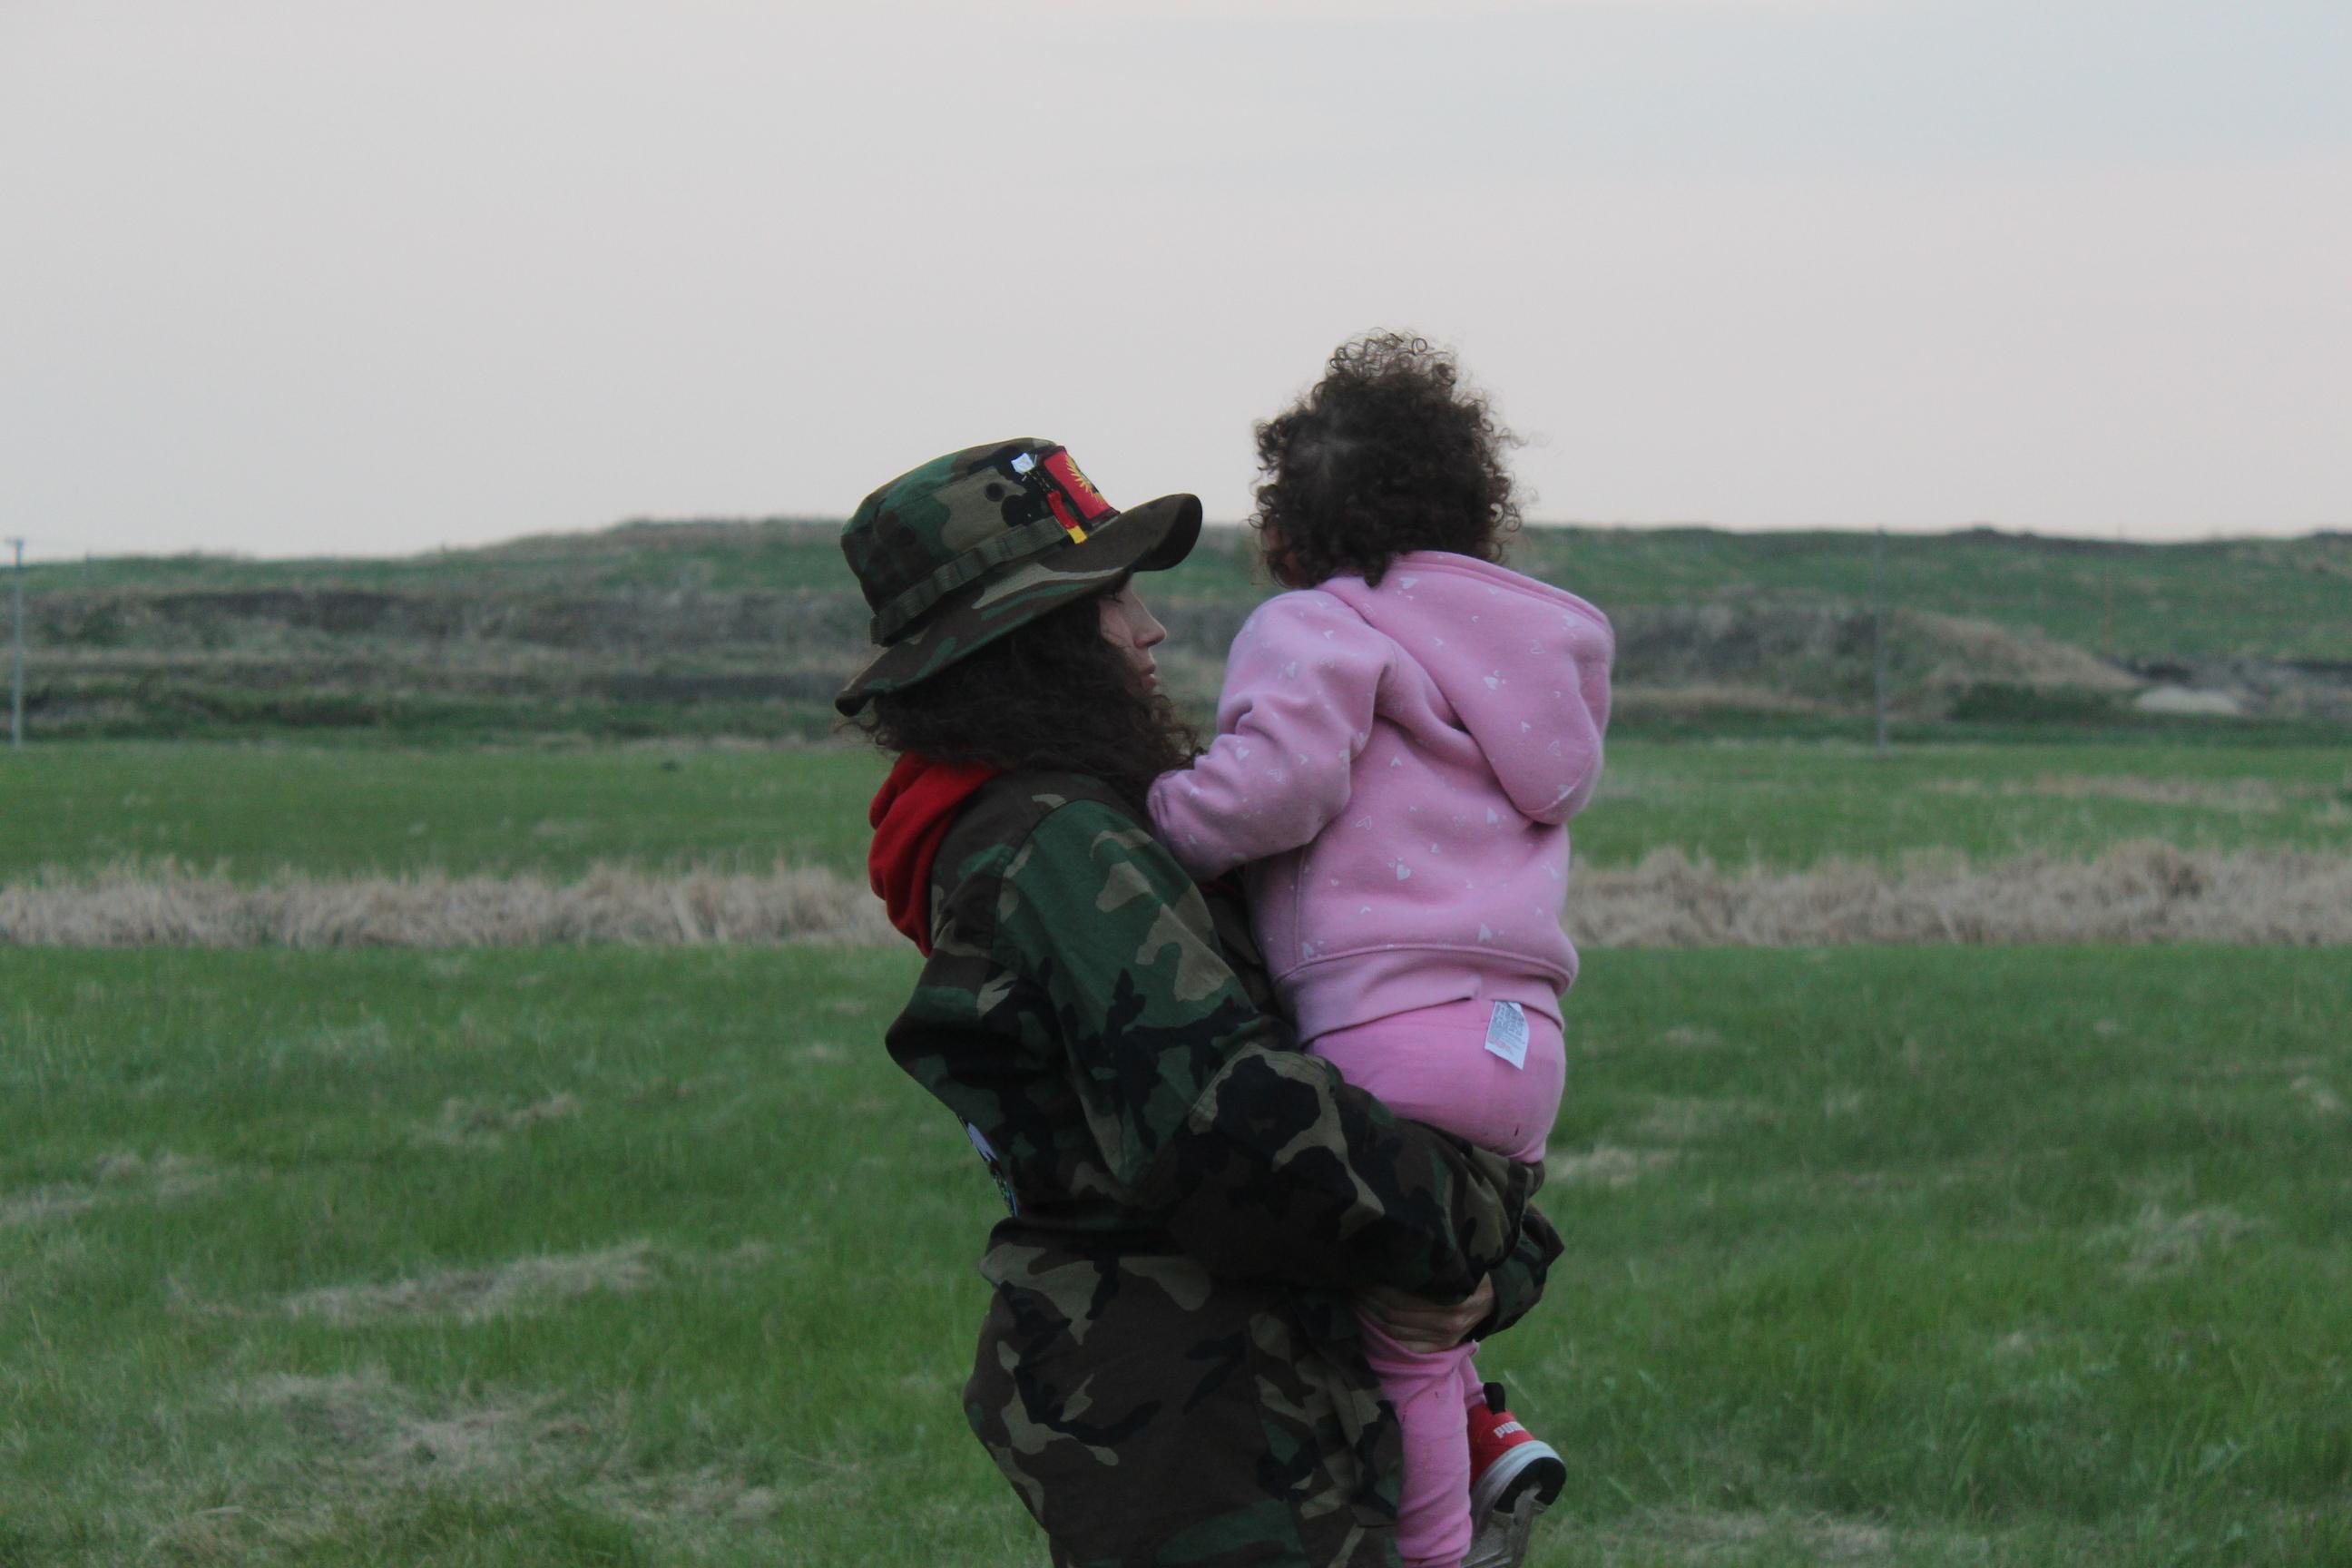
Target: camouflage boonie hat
point(956, 553)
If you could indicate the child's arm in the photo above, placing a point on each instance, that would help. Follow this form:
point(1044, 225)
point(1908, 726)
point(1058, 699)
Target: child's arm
point(1296, 712)
point(1594, 644)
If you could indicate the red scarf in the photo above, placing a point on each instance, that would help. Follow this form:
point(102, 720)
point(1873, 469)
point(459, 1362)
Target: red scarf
point(910, 817)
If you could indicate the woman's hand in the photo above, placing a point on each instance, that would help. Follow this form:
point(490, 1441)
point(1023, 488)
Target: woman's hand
point(1426, 1326)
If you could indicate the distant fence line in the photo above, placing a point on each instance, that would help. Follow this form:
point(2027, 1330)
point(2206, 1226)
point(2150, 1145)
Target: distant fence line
point(2135, 893)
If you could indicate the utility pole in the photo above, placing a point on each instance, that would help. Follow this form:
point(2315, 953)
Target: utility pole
point(2107, 621)
point(16, 685)
point(1878, 633)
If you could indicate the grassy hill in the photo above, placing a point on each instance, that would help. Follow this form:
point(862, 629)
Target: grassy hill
point(2279, 599)
point(744, 627)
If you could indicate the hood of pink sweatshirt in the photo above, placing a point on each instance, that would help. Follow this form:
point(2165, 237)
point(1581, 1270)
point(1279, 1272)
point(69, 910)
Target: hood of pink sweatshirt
point(1395, 766)
point(1523, 666)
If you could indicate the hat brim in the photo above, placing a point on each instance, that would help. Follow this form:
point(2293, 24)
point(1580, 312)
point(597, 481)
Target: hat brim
point(1148, 537)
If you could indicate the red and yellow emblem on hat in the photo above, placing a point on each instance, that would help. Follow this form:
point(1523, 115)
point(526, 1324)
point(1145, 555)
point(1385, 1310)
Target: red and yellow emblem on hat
point(1070, 492)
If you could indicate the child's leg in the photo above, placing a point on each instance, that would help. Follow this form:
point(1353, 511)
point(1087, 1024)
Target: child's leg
point(1433, 1066)
point(1433, 1512)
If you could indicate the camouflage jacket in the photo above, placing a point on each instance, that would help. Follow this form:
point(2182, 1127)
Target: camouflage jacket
point(1168, 1370)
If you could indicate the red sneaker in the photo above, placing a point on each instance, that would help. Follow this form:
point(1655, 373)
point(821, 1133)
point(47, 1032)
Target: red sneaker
point(1508, 1462)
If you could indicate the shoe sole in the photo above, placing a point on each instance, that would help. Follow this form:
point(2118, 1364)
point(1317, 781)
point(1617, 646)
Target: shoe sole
point(1503, 1538)
point(1533, 1466)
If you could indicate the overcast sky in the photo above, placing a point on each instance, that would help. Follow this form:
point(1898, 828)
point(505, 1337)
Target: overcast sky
point(301, 277)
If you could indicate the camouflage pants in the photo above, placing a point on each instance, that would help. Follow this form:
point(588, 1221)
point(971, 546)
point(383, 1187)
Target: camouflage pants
point(1147, 1413)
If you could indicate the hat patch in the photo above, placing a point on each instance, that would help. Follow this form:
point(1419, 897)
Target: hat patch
point(1076, 504)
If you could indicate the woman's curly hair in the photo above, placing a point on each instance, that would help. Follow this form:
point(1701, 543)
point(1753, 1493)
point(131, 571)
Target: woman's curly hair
point(1048, 696)
point(1388, 452)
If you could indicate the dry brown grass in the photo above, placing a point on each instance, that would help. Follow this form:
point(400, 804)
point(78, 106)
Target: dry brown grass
point(2323, 1101)
point(1699, 1538)
point(1967, 650)
point(482, 1124)
point(34, 1204)
point(364, 1420)
point(2159, 1244)
point(1607, 1165)
point(520, 1285)
point(162, 905)
point(121, 1176)
point(368, 1444)
point(2138, 892)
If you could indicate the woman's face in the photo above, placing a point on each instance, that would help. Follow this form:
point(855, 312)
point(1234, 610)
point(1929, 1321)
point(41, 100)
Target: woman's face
point(1132, 628)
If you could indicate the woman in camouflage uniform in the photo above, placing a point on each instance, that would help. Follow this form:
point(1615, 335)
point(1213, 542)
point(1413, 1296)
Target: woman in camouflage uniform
point(1168, 1371)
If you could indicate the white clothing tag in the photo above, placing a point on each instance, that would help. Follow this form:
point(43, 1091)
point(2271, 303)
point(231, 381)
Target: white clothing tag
point(1506, 1033)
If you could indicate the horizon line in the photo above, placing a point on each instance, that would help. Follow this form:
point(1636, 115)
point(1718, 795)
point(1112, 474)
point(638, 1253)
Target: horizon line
point(67, 555)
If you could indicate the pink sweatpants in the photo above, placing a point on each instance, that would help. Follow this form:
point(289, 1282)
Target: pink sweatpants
point(1433, 1064)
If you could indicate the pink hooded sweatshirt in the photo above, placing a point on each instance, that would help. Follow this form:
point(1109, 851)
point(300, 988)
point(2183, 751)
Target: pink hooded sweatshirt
point(1396, 767)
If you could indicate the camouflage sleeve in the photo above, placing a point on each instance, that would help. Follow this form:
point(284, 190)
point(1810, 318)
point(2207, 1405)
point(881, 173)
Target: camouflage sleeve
point(1519, 1278)
point(1255, 1156)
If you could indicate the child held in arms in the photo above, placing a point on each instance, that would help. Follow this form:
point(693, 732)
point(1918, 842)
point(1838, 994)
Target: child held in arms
point(1400, 742)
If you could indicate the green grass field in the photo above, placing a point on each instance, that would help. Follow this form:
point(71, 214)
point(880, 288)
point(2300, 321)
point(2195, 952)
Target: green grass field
point(1926, 1256)
point(324, 810)
point(256, 809)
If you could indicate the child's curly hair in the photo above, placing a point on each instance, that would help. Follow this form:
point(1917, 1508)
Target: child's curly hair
point(1388, 452)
